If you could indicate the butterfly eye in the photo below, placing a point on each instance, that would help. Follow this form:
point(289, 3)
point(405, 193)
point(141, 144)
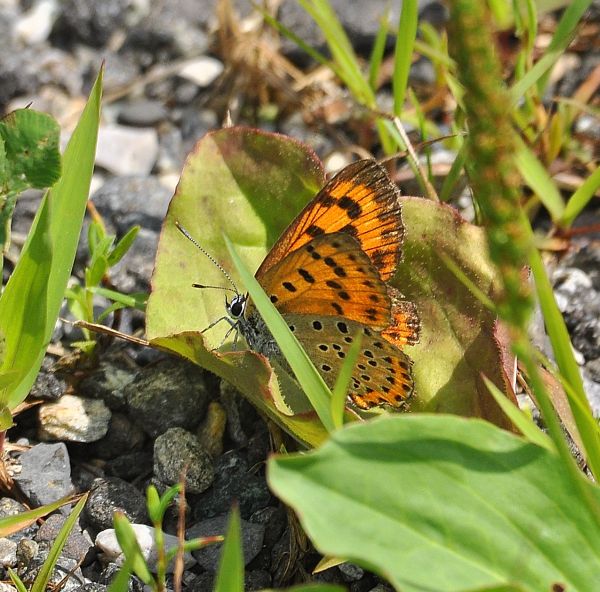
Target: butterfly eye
point(236, 306)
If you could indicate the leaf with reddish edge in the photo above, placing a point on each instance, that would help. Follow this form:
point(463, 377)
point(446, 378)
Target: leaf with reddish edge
point(250, 185)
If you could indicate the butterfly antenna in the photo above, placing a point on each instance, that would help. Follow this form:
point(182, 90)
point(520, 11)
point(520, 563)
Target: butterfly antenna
point(209, 256)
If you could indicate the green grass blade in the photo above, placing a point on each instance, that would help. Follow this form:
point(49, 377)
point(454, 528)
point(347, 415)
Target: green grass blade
point(580, 198)
point(564, 33)
point(340, 389)
point(16, 580)
point(454, 174)
point(348, 67)
point(407, 32)
point(310, 380)
point(378, 49)
point(34, 293)
point(537, 177)
point(563, 352)
point(230, 577)
point(523, 423)
point(131, 548)
point(121, 580)
point(40, 583)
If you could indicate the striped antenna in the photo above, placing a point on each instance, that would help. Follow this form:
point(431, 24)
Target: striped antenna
point(211, 258)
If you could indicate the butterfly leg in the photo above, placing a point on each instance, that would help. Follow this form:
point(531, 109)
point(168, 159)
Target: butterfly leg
point(234, 327)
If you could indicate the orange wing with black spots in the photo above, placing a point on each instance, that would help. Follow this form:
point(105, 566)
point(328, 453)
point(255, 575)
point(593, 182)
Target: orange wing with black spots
point(360, 201)
point(329, 276)
point(405, 324)
point(383, 373)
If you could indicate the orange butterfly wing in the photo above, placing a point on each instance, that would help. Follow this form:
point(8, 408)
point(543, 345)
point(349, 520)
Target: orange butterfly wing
point(360, 201)
point(329, 276)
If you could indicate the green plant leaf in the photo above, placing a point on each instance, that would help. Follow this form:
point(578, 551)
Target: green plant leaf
point(250, 185)
point(131, 548)
point(538, 178)
point(407, 32)
point(123, 246)
point(16, 580)
point(11, 524)
point(401, 494)
point(230, 575)
point(31, 146)
point(31, 301)
point(43, 577)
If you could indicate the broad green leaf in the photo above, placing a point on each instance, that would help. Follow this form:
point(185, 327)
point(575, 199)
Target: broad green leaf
point(488, 509)
point(31, 301)
point(230, 576)
point(43, 577)
point(249, 185)
point(31, 147)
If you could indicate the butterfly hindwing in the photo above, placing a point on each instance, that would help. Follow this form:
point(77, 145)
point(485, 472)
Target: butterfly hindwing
point(382, 375)
point(360, 201)
point(329, 276)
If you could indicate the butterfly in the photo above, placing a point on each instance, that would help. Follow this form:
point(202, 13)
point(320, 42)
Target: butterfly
point(327, 275)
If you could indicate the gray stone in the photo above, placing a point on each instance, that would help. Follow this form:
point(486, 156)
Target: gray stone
point(73, 419)
point(11, 507)
point(107, 382)
point(130, 466)
point(142, 113)
point(45, 473)
point(91, 22)
point(145, 535)
point(351, 572)
point(78, 542)
point(172, 393)
point(8, 553)
point(122, 436)
point(202, 71)
point(233, 483)
point(111, 495)
point(177, 451)
point(130, 200)
point(124, 150)
point(208, 557)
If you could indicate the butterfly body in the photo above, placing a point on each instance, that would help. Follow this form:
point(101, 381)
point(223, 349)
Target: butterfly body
point(327, 276)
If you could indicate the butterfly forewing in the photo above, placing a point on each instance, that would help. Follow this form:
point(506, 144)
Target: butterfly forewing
point(360, 201)
point(329, 276)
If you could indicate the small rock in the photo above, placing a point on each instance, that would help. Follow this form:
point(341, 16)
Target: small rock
point(351, 572)
point(172, 393)
point(593, 369)
point(212, 429)
point(122, 436)
point(231, 401)
point(45, 473)
point(233, 483)
point(91, 587)
point(78, 542)
point(257, 579)
point(73, 419)
point(35, 25)
point(142, 113)
point(7, 587)
point(91, 22)
point(130, 466)
point(202, 71)
point(107, 542)
point(111, 495)
point(27, 551)
point(107, 382)
point(110, 572)
point(11, 507)
point(177, 451)
point(8, 553)
point(48, 385)
point(592, 391)
point(66, 571)
point(127, 150)
point(208, 557)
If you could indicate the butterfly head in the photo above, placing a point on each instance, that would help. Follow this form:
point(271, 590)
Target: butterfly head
point(236, 307)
